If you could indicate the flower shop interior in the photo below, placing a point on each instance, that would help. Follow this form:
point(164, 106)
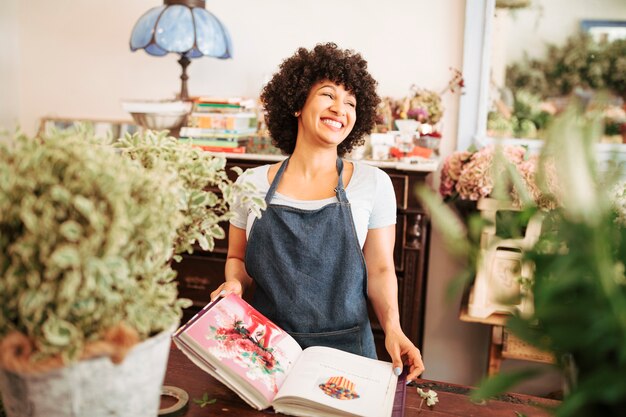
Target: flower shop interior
point(465, 75)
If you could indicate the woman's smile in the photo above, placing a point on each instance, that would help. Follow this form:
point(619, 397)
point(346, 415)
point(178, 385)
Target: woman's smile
point(332, 123)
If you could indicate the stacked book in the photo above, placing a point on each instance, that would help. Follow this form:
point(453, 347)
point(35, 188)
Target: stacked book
point(220, 125)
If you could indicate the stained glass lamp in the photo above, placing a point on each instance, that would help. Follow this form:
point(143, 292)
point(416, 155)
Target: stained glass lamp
point(183, 27)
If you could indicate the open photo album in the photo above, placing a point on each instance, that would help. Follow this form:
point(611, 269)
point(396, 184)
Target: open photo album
point(266, 367)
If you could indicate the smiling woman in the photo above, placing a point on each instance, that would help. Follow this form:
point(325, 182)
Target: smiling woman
point(324, 246)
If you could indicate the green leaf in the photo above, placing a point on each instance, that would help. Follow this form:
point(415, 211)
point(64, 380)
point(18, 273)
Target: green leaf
point(59, 332)
point(71, 230)
point(198, 198)
point(203, 242)
point(204, 401)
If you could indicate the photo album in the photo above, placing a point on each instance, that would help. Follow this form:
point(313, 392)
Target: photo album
point(266, 367)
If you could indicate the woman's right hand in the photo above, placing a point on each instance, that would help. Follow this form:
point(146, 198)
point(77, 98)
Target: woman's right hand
point(228, 287)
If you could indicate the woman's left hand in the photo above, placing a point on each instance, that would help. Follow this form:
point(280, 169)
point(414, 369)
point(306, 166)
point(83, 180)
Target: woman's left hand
point(403, 352)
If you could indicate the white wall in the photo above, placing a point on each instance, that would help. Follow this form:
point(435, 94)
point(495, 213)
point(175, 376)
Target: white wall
point(75, 62)
point(9, 59)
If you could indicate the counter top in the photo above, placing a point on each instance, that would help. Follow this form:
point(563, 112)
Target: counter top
point(424, 165)
point(453, 399)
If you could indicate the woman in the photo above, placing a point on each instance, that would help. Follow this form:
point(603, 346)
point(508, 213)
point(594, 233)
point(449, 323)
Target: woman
point(325, 243)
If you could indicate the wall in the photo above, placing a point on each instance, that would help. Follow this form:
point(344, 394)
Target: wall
point(9, 58)
point(75, 62)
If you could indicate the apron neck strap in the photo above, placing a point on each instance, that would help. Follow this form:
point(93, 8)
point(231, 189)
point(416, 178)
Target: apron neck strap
point(341, 193)
point(279, 174)
point(339, 190)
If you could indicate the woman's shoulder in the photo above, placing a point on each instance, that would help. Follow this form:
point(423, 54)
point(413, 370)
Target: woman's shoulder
point(256, 175)
point(365, 171)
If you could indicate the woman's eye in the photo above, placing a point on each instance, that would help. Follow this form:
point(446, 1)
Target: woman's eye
point(328, 95)
point(351, 104)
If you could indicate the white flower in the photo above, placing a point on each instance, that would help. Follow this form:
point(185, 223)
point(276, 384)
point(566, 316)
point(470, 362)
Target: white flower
point(430, 396)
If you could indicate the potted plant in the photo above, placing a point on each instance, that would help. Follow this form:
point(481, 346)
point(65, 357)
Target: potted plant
point(87, 292)
point(578, 286)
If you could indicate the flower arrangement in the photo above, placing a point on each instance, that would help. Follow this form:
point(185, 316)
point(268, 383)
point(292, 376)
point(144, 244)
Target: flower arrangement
point(471, 175)
point(422, 105)
point(425, 106)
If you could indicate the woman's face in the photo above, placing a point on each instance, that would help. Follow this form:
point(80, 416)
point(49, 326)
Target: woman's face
point(328, 114)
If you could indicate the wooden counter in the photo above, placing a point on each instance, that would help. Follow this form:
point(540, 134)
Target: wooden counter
point(453, 399)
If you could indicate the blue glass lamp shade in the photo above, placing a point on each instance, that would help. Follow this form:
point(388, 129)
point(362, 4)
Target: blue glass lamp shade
point(184, 27)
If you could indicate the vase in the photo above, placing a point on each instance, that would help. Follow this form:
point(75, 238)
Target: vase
point(497, 287)
point(95, 387)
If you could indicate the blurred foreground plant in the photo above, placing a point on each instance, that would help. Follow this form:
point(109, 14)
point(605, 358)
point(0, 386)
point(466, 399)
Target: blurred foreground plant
point(85, 240)
point(579, 284)
point(88, 232)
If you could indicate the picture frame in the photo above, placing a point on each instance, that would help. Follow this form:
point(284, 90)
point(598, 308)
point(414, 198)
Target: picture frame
point(604, 30)
point(102, 127)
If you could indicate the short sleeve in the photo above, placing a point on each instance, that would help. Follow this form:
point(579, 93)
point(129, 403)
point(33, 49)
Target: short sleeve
point(384, 204)
point(239, 209)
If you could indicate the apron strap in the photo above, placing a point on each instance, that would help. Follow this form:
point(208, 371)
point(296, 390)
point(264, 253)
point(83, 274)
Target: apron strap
point(339, 190)
point(279, 174)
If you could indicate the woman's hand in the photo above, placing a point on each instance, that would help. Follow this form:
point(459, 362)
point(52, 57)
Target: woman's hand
point(403, 352)
point(228, 287)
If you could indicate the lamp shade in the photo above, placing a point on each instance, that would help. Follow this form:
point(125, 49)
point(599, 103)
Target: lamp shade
point(184, 27)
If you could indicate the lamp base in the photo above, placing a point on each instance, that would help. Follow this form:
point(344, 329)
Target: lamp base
point(184, 63)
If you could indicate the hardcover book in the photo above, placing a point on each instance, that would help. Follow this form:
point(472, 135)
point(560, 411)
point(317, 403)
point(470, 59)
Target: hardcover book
point(266, 367)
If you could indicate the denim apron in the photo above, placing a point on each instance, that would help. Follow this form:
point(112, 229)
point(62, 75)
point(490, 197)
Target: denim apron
point(310, 273)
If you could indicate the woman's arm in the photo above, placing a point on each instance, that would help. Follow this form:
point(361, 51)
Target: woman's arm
point(382, 291)
point(237, 279)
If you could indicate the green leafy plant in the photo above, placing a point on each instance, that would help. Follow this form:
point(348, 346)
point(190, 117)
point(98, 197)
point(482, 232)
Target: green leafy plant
point(206, 193)
point(579, 283)
point(204, 400)
point(616, 72)
point(88, 232)
point(579, 62)
point(85, 239)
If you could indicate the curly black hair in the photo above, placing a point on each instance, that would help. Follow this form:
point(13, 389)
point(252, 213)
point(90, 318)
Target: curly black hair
point(289, 88)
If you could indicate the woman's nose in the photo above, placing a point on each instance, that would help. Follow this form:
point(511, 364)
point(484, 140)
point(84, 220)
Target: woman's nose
point(338, 107)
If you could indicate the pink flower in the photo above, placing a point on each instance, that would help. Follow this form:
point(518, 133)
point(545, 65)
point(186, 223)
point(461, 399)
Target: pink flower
point(472, 176)
point(451, 171)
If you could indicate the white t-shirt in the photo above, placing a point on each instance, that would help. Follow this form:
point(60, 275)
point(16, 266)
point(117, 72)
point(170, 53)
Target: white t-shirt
point(370, 193)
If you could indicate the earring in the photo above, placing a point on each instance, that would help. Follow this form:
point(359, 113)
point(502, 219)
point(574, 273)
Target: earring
point(297, 114)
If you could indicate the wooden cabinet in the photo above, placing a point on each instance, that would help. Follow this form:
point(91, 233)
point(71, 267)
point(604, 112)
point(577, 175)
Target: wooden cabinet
point(202, 272)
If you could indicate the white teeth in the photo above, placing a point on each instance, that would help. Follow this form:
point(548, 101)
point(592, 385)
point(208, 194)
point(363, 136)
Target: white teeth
point(332, 123)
